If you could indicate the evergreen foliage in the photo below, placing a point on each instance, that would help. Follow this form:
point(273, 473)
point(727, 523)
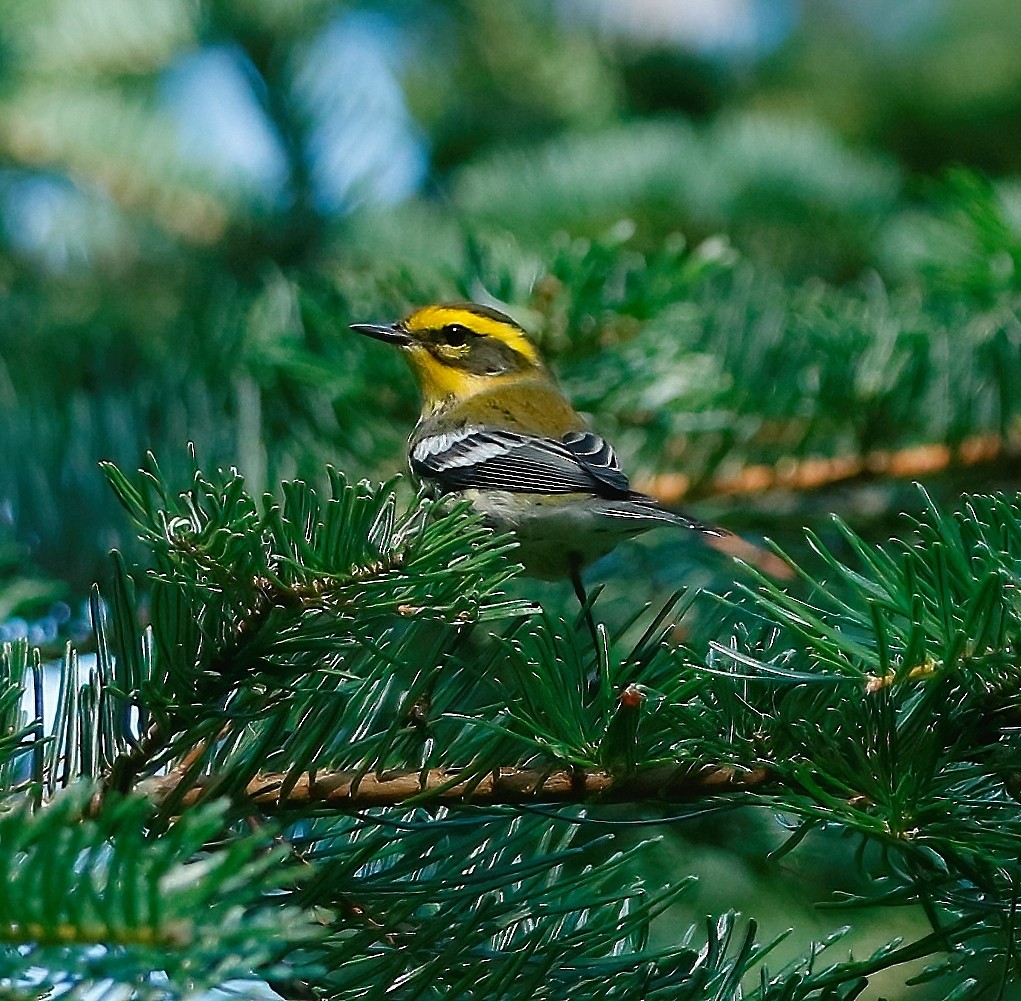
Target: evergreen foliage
point(321, 735)
point(300, 642)
point(90, 900)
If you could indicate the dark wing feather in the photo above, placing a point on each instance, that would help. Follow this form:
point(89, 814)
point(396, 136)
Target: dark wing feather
point(598, 458)
point(499, 459)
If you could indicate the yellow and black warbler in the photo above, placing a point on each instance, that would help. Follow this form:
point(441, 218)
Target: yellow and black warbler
point(496, 430)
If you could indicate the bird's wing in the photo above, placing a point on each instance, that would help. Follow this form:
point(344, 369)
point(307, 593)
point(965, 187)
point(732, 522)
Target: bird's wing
point(500, 459)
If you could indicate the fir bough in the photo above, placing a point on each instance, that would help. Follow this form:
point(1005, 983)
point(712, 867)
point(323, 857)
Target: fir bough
point(252, 782)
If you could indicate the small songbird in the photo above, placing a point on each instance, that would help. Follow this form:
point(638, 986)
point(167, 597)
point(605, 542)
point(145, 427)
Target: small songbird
point(497, 431)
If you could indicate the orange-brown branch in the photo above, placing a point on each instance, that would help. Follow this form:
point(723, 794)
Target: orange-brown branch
point(813, 473)
point(352, 791)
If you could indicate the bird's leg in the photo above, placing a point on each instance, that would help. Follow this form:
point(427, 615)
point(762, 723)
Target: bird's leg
point(586, 610)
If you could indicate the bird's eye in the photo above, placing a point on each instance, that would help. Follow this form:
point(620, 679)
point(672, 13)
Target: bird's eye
point(455, 335)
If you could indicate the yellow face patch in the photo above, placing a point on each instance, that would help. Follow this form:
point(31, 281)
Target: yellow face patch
point(485, 324)
point(440, 382)
point(436, 379)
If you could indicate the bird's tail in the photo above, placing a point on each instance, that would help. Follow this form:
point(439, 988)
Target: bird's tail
point(719, 538)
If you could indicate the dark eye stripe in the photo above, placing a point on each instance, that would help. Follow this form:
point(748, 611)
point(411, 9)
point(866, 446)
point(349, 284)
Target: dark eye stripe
point(479, 354)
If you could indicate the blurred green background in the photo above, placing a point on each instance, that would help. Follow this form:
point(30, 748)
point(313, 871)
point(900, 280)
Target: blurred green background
point(746, 233)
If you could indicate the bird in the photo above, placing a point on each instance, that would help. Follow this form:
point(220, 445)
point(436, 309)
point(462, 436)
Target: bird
point(497, 431)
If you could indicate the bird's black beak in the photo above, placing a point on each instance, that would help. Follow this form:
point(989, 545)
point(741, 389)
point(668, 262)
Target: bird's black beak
point(391, 333)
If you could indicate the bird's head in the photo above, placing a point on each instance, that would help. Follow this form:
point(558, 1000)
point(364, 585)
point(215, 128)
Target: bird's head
point(459, 349)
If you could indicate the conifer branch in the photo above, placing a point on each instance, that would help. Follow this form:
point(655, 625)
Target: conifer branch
point(354, 790)
point(814, 472)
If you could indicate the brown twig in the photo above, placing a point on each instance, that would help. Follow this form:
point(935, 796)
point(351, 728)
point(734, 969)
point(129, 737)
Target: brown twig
point(877, 682)
point(813, 473)
point(348, 790)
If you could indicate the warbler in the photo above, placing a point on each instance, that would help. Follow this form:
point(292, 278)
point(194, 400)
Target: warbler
point(496, 430)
